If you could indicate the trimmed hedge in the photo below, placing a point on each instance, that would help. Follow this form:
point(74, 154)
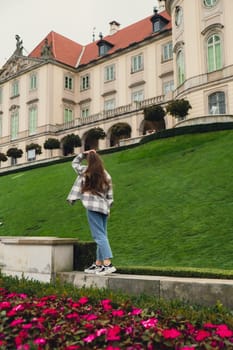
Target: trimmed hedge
point(84, 255)
point(176, 272)
point(184, 130)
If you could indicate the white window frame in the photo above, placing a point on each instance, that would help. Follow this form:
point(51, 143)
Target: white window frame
point(85, 82)
point(180, 62)
point(33, 81)
point(167, 52)
point(68, 115)
point(15, 88)
point(137, 95)
point(109, 104)
point(85, 110)
point(68, 82)
point(168, 86)
point(109, 73)
point(14, 124)
point(219, 106)
point(32, 122)
point(215, 65)
point(137, 63)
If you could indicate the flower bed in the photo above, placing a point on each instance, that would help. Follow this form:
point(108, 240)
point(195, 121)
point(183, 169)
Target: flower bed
point(55, 322)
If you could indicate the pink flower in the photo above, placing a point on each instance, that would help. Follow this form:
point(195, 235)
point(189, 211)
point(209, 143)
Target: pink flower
point(73, 315)
point(136, 311)
point(23, 347)
point(150, 323)
point(209, 325)
point(106, 303)
point(223, 331)
point(83, 300)
point(110, 347)
point(202, 335)
point(171, 333)
point(188, 348)
point(113, 333)
point(90, 317)
point(27, 326)
point(40, 341)
point(50, 312)
point(90, 338)
point(72, 347)
point(5, 305)
point(118, 313)
point(101, 331)
point(17, 322)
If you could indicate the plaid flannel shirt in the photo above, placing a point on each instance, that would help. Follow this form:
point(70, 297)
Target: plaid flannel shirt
point(101, 202)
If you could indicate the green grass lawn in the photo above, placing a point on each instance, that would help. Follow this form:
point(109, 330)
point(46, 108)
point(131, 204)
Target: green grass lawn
point(173, 203)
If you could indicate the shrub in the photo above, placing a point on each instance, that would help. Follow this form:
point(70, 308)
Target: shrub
point(34, 146)
point(154, 113)
point(3, 157)
point(14, 152)
point(178, 108)
point(69, 142)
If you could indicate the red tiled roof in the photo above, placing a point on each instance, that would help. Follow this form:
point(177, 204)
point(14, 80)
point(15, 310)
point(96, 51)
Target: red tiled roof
point(64, 50)
point(69, 52)
point(134, 33)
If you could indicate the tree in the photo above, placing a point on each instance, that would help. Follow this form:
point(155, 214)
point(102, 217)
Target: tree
point(92, 138)
point(154, 116)
point(14, 153)
point(3, 158)
point(96, 133)
point(178, 108)
point(51, 143)
point(34, 146)
point(154, 113)
point(119, 131)
point(69, 142)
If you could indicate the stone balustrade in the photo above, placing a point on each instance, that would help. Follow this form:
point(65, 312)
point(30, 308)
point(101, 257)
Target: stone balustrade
point(38, 258)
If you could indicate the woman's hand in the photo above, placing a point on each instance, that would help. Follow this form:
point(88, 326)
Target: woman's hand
point(89, 151)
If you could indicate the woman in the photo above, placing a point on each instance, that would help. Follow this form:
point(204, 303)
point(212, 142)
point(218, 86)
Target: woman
point(94, 188)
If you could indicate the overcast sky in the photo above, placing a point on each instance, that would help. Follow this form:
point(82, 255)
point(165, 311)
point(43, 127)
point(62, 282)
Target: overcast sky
point(32, 20)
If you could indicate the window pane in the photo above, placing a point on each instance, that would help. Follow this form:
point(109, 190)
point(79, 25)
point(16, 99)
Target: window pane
point(32, 120)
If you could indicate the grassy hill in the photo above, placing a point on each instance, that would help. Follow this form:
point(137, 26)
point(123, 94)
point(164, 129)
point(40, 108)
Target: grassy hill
point(173, 203)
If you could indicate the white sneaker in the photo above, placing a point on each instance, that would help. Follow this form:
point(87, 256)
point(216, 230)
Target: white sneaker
point(105, 270)
point(93, 268)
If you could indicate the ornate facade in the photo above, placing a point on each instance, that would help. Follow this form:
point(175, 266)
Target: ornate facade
point(63, 88)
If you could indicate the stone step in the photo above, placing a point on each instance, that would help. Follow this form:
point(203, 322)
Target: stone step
point(202, 291)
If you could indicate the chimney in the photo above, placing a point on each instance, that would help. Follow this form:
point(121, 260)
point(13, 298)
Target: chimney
point(114, 27)
point(161, 5)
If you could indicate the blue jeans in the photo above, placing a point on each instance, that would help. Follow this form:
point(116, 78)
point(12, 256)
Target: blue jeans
point(98, 227)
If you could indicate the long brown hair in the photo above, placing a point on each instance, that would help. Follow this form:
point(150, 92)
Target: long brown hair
point(95, 177)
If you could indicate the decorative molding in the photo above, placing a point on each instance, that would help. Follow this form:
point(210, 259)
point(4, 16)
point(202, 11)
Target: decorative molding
point(211, 27)
point(109, 93)
point(178, 45)
point(33, 101)
point(86, 100)
point(138, 83)
point(14, 107)
point(66, 100)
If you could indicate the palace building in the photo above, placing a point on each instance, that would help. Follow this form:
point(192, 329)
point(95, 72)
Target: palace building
point(180, 51)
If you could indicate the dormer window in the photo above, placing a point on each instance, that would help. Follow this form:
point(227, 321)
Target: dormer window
point(158, 22)
point(104, 46)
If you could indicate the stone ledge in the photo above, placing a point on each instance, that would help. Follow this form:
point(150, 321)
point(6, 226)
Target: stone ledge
point(200, 291)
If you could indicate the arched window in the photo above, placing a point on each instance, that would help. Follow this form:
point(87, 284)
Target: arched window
point(180, 67)
point(217, 104)
point(214, 53)
point(210, 3)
